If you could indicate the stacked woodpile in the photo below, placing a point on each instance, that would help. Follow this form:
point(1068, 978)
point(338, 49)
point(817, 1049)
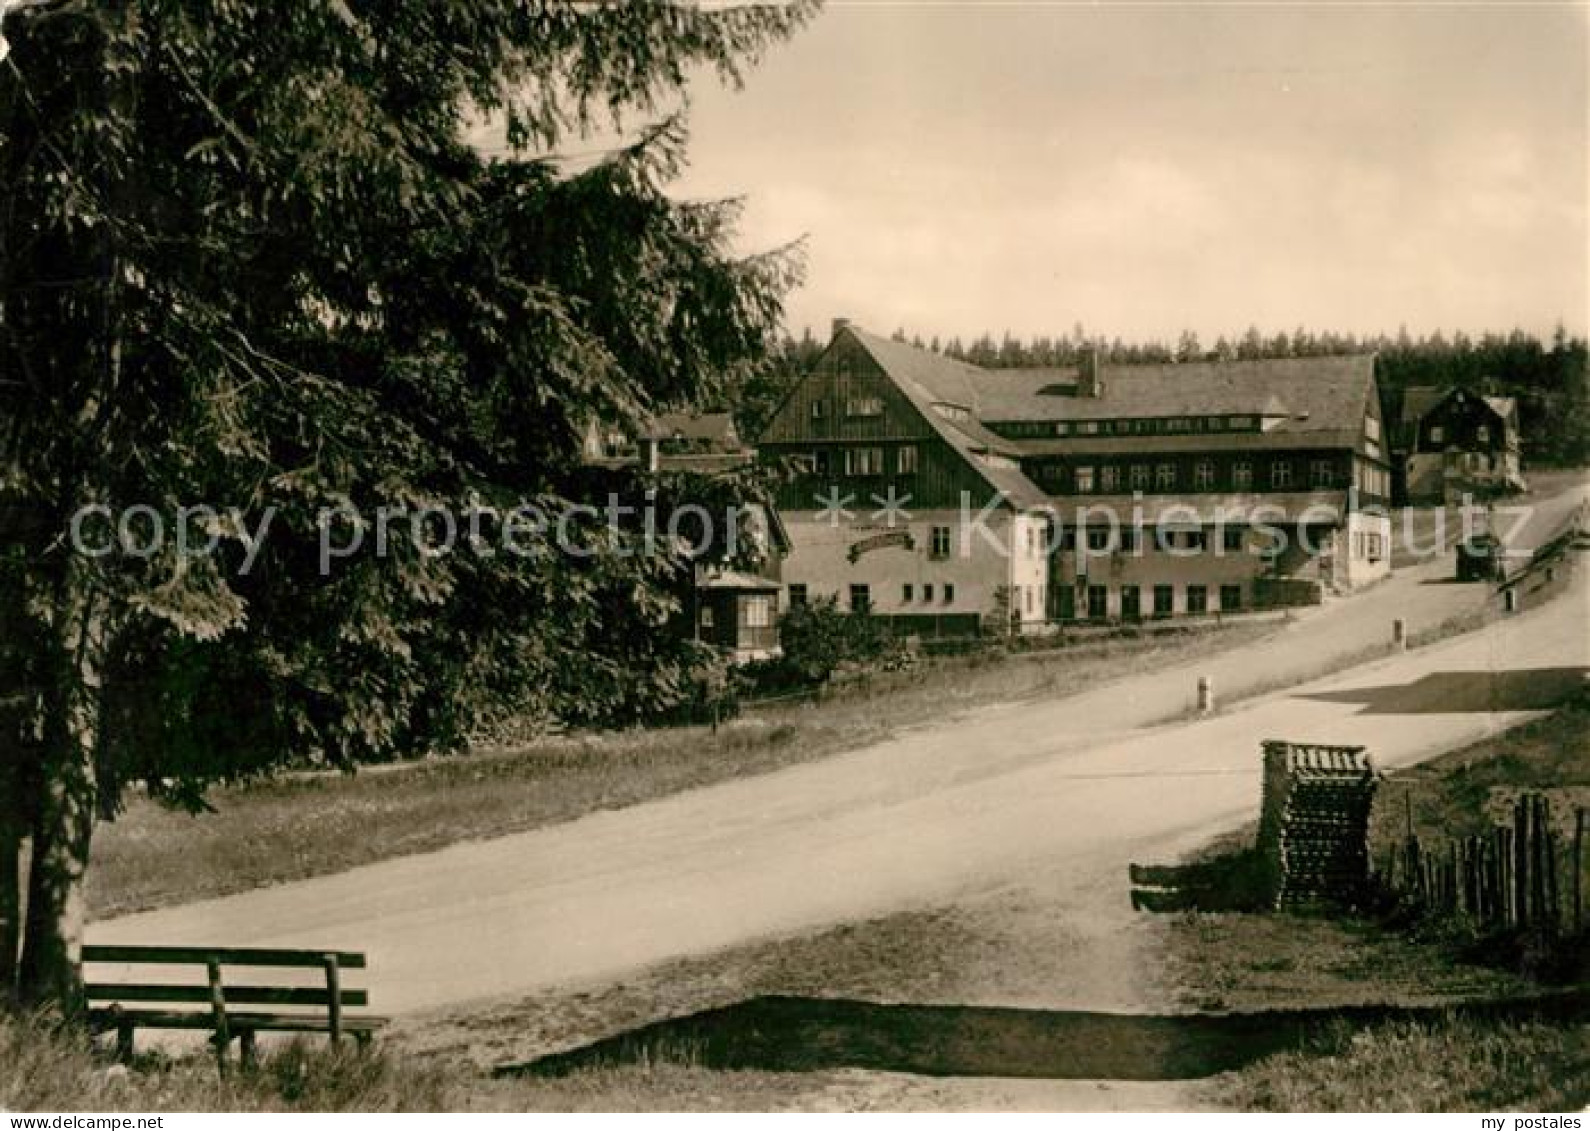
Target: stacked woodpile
point(1314, 824)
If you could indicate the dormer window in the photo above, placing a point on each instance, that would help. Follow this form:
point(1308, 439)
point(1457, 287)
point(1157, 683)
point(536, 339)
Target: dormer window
point(864, 407)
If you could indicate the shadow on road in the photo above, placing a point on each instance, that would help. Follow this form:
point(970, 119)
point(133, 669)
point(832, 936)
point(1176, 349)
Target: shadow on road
point(791, 1034)
point(1439, 693)
point(1237, 881)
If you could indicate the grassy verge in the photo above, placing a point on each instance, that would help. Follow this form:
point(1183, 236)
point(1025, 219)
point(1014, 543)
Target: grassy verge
point(1454, 1066)
point(308, 825)
point(1255, 961)
point(45, 1070)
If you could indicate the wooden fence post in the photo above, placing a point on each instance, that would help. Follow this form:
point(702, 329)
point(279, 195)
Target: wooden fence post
point(1521, 861)
point(1578, 868)
point(1504, 874)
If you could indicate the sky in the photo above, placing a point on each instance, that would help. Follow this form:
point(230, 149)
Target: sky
point(957, 168)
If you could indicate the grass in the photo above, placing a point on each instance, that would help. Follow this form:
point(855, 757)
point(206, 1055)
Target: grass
point(306, 825)
point(1256, 961)
point(46, 1069)
point(1459, 1065)
point(1462, 793)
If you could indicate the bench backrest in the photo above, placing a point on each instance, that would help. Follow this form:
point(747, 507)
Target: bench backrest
point(331, 995)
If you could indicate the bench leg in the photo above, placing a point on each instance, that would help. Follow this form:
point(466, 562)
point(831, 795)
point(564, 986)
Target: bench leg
point(361, 1038)
point(124, 1042)
point(247, 1049)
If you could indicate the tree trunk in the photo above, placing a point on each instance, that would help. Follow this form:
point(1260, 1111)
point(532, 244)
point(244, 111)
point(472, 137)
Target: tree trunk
point(66, 800)
point(10, 906)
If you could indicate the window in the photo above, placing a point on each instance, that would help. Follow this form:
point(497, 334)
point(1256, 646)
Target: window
point(1437, 434)
point(1232, 539)
point(905, 460)
point(1098, 602)
point(819, 408)
point(1088, 428)
point(1164, 600)
point(1197, 599)
point(927, 592)
point(1098, 537)
point(1239, 423)
point(1165, 477)
point(758, 612)
point(1230, 598)
point(864, 406)
point(1281, 473)
point(1129, 539)
point(1372, 427)
point(1377, 547)
point(1131, 602)
point(1109, 479)
point(1321, 473)
point(797, 595)
point(1203, 475)
point(1061, 428)
point(1084, 480)
point(1140, 477)
point(1242, 475)
point(939, 542)
point(1194, 540)
point(949, 592)
point(1026, 595)
point(906, 593)
point(860, 599)
point(1483, 433)
point(863, 461)
point(706, 616)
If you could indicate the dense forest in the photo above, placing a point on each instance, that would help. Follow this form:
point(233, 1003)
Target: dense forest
point(1549, 379)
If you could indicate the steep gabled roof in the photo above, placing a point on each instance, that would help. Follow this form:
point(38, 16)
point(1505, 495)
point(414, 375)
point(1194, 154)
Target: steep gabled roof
point(1418, 401)
point(927, 379)
point(715, 428)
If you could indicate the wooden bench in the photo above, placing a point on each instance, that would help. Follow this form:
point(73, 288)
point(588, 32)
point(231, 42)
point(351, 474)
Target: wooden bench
point(125, 1007)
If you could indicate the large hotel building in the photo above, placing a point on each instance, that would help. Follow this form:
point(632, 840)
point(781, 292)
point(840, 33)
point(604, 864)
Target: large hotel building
point(948, 497)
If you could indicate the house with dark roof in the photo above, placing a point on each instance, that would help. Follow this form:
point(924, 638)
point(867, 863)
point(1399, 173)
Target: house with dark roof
point(1453, 442)
point(949, 497)
point(733, 609)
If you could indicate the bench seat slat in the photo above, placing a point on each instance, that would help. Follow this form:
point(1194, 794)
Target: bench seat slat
point(239, 995)
point(227, 956)
point(237, 1022)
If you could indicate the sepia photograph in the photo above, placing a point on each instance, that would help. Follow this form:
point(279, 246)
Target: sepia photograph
point(809, 556)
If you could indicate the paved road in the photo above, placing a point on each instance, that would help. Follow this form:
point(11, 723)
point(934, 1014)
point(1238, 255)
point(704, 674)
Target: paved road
point(922, 817)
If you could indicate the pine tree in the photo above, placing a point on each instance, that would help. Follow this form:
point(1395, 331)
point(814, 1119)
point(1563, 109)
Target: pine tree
point(250, 261)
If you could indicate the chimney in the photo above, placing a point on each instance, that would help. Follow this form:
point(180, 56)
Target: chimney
point(839, 324)
point(1088, 383)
